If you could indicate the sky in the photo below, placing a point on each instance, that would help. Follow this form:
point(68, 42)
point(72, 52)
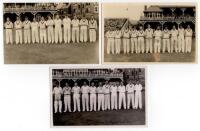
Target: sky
point(123, 10)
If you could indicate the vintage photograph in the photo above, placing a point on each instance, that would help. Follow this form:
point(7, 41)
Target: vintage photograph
point(51, 33)
point(137, 32)
point(98, 96)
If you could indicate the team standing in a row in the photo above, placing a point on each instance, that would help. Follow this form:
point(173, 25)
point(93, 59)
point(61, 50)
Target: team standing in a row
point(108, 96)
point(147, 41)
point(51, 30)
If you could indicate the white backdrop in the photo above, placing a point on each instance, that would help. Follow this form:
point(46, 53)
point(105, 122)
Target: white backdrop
point(173, 96)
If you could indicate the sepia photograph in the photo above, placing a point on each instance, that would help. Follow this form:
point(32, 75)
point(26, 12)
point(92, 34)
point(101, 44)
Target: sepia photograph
point(145, 32)
point(51, 33)
point(98, 96)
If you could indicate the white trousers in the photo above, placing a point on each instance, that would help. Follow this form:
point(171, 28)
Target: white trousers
point(85, 102)
point(35, 35)
point(110, 45)
point(101, 102)
point(67, 35)
point(157, 45)
point(174, 44)
point(107, 101)
point(58, 35)
point(83, 34)
point(134, 45)
point(76, 100)
point(117, 45)
point(9, 36)
point(67, 102)
point(138, 99)
point(149, 45)
point(27, 36)
point(122, 100)
point(75, 34)
point(114, 101)
point(57, 105)
point(18, 37)
point(181, 44)
point(130, 100)
point(50, 33)
point(141, 44)
point(188, 44)
point(166, 43)
point(92, 33)
point(43, 36)
point(92, 102)
point(126, 45)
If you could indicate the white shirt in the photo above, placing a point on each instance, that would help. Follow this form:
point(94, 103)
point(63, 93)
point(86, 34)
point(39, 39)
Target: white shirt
point(138, 87)
point(75, 23)
point(84, 23)
point(188, 32)
point(27, 24)
point(49, 23)
point(8, 25)
point(166, 34)
point(158, 34)
point(118, 34)
point(106, 89)
point(100, 90)
point(58, 23)
point(110, 34)
point(141, 33)
point(93, 24)
point(126, 34)
point(76, 89)
point(42, 24)
point(149, 33)
point(133, 33)
point(113, 89)
point(181, 32)
point(67, 23)
point(92, 90)
point(34, 25)
point(130, 88)
point(18, 24)
point(174, 33)
point(121, 89)
point(67, 90)
point(85, 89)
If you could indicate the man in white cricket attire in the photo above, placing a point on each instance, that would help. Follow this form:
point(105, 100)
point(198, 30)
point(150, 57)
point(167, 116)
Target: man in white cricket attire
point(58, 29)
point(122, 96)
point(50, 30)
point(106, 88)
point(174, 43)
point(8, 25)
point(166, 41)
point(18, 31)
point(134, 45)
point(34, 31)
point(100, 93)
point(67, 29)
point(92, 97)
point(67, 97)
point(43, 33)
point(113, 90)
point(149, 39)
point(141, 35)
point(126, 39)
point(92, 29)
point(75, 30)
point(57, 92)
point(181, 39)
point(110, 41)
point(83, 29)
point(27, 31)
point(188, 39)
point(85, 96)
point(118, 36)
point(157, 40)
point(76, 97)
point(130, 88)
point(138, 95)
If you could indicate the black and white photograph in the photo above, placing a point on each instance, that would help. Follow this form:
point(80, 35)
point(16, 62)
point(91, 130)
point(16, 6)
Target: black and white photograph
point(98, 96)
point(145, 32)
point(51, 33)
